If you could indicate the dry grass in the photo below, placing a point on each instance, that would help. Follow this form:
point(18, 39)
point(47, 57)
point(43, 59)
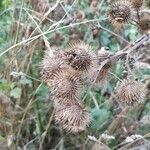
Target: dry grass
point(51, 90)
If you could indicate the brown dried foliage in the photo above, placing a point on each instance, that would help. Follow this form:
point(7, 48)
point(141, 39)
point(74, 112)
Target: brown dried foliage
point(5, 105)
point(144, 25)
point(104, 72)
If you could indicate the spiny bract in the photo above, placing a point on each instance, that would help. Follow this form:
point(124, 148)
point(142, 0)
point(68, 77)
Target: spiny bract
point(73, 118)
point(120, 13)
point(131, 91)
point(51, 64)
point(67, 84)
point(79, 56)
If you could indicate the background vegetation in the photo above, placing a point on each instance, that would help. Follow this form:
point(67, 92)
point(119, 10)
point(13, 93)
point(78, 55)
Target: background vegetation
point(25, 34)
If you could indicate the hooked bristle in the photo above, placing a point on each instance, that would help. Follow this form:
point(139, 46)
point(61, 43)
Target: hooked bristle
point(72, 118)
point(120, 13)
point(67, 84)
point(79, 56)
point(51, 64)
point(131, 92)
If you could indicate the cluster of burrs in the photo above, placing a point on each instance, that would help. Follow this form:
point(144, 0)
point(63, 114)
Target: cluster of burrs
point(64, 73)
point(67, 71)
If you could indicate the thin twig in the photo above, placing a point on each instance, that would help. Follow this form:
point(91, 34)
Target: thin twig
point(45, 133)
point(94, 100)
point(24, 115)
point(31, 39)
point(113, 33)
point(117, 56)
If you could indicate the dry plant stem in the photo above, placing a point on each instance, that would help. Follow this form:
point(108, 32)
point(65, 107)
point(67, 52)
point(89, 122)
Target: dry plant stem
point(138, 139)
point(98, 141)
point(30, 142)
point(101, 4)
point(115, 76)
point(47, 32)
point(131, 47)
point(84, 145)
point(20, 14)
point(61, 142)
point(66, 13)
point(51, 9)
point(28, 56)
point(113, 33)
point(128, 65)
point(138, 15)
point(55, 25)
point(44, 37)
point(117, 56)
point(31, 55)
point(94, 100)
point(14, 60)
point(118, 121)
point(145, 11)
point(46, 131)
point(141, 109)
point(98, 70)
point(24, 115)
point(122, 145)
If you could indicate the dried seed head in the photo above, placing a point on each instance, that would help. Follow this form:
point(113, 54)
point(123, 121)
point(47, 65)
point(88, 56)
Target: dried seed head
point(72, 118)
point(131, 92)
point(120, 13)
point(144, 25)
point(40, 6)
point(5, 105)
point(136, 3)
point(67, 84)
point(79, 15)
point(51, 64)
point(94, 5)
point(79, 57)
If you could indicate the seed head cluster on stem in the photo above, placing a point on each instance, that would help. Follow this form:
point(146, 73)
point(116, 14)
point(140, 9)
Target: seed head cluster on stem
point(64, 71)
